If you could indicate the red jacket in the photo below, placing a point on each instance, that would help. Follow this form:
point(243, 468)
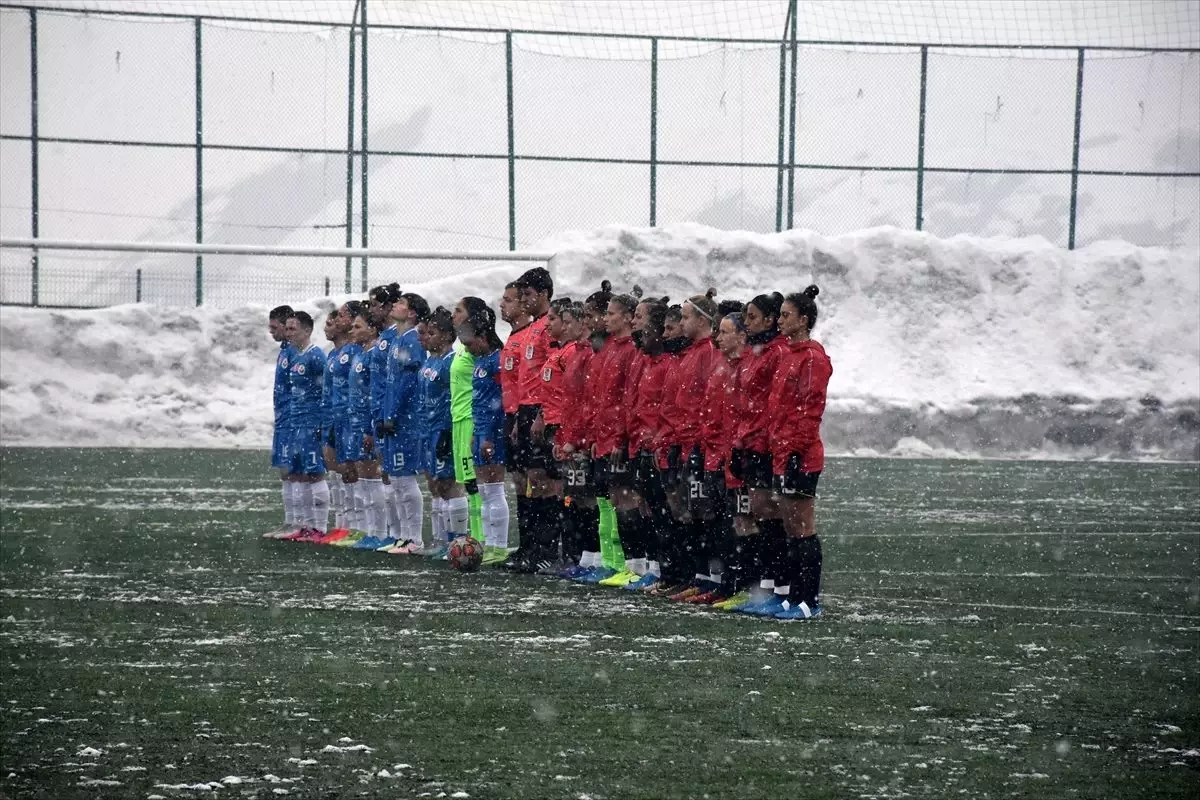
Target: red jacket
point(573, 408)
point(759, 364)
point(796, 405)
point(607, 389)
point(695, 366)
point(535, 350)
point(510, 366)
point(718, 415)
point(554, 373)
point(644, 411)
point(664, 431)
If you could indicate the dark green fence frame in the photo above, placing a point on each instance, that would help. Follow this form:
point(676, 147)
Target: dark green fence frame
point(788, 43)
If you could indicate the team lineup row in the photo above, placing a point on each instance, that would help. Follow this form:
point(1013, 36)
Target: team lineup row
point(672, 449)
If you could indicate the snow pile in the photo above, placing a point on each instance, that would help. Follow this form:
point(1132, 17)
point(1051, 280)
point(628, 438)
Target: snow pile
point(974, 346)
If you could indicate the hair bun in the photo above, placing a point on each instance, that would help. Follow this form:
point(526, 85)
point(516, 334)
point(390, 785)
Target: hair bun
point(812, 291)
point(778, 297)
point(636, 291)
point(665, 300)
point(711, 293)
point(606, 286)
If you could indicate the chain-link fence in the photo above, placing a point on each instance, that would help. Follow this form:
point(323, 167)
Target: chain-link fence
point(159, 127)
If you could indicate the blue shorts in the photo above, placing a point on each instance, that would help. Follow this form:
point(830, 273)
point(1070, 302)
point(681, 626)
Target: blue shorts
point(438, 469)
point(306, 453)
point(499, 444)
point(349, 437)
point(402, 455)
point(279, 448)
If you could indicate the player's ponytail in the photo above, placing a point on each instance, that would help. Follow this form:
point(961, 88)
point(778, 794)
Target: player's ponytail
point(598, 301)
point(805, 305)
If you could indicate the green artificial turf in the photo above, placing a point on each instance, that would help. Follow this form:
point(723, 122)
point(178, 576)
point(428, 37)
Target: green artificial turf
point(993, 629)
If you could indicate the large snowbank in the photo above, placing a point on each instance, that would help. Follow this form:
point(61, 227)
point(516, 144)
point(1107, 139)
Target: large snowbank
point(1008, 347)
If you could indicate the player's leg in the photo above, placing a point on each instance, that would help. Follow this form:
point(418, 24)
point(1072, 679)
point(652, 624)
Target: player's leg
point(405, 464)
point(461, 434)
point(802, 558)
point(279, 460)
point(628, 534)
point(490, 474)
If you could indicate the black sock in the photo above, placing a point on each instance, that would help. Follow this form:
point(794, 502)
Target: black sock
point(631, 528)
point(589, 530)
point(748, 562)
point(804, 568)
point(551, 527)
point(524, 538)
point(773, 552)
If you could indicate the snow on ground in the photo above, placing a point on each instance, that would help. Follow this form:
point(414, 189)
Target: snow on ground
point(993, 347)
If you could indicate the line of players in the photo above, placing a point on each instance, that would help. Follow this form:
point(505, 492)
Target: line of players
point(672, 449)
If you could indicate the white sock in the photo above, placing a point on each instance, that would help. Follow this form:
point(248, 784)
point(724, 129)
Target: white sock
point(437, 518)
point(495, 514)
point(357, 503)
point(410, 507)
point(287, 503)
point(294, 510)
point(783, 591)
point(653, 567)
point(337, 499)
point(377, 507)
point(767, 583)
point(589, 558)
point(392, 520)
point(320, 501)
point(459, 516)
point(302, 495)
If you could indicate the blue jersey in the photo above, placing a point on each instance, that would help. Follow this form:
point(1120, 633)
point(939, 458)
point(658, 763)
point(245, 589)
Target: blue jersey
point(487, 401)
point(337, 378)
point(358, 387)
point(435, 392)
point(379, 362)
point(404, 365)
point(307, 379)
point(283, 389)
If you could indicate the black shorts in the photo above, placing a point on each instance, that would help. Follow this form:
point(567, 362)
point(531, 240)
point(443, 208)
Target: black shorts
point(753, 469)
point(553, 468)
point(738, 501)
point(621, 474)
point(510, 425)
point(794, 484)
point(644, 473)
point(600, 474)
point(531, 453)
point(706, 494)
point(673, 475)
point(577, 477)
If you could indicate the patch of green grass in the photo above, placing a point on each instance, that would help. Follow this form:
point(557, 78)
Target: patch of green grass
point(993, 630)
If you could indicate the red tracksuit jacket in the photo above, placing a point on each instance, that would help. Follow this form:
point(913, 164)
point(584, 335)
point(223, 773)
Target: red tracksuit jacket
point(644, 411)
point(758, 368)
point(607, 390)
point(796, 405)
point(574, 408)
point(695, 366)
point(718, 415)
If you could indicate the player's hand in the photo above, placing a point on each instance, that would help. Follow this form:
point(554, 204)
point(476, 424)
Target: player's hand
point(538, 428)
point(444, 449)
point(368, 443)
point(487, 450)
point(568, 448)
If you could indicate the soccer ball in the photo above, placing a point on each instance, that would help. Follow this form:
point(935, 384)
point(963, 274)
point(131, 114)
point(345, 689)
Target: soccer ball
point(466, 554)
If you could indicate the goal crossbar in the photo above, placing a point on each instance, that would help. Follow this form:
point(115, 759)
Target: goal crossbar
point(262, 250)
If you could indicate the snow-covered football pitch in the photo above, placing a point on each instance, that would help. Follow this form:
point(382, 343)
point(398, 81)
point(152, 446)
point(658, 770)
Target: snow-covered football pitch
point(993, 629)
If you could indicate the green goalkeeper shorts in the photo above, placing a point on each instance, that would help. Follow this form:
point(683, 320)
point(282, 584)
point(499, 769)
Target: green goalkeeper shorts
point(464, 464)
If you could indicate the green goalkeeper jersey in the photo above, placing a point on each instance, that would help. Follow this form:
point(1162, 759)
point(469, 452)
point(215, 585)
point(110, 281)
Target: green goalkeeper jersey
point(462, 369)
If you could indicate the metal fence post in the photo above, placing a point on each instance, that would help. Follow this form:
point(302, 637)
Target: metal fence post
point(1075, 152)
point(137, 285)
point(921, 141)
point(327, 286)
point(512, 153)
point(364, 237)
point(33, 147)
point(199, 160)
point(782, 119)
point(791, 192)
point(653, 132)
point(350, 155)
